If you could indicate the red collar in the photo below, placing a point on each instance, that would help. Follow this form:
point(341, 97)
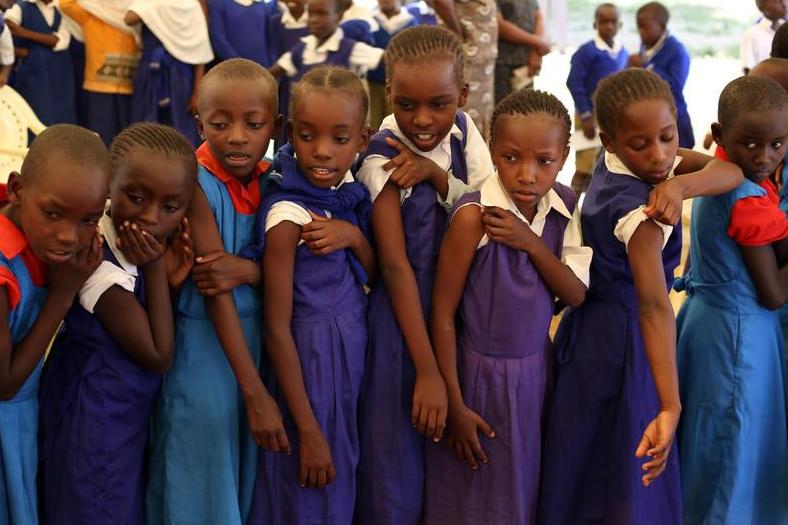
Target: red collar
point(245, 197)
point(14, 243)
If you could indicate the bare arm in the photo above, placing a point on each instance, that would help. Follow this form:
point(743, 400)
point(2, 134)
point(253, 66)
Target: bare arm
point(277, 71)
point(44, 39)
point(132, 18)
point(771, 282)
point(707, 175)
point(516, 35)
point(447, 13)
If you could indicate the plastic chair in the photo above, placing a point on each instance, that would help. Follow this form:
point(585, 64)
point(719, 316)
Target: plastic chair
point(16, 118)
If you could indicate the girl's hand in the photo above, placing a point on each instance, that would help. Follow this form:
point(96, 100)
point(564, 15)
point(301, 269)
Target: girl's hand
point(179, 255)
point(323, 236)
point(656, 443)
point(317, 467)
point(665, 202)
point(65, 279)
point(140, 247)
point(464, 427)
point(220, 272)
point(265, 423)
point(504, 227)
point(430, 405)
point(635, 60)
point(410, 168)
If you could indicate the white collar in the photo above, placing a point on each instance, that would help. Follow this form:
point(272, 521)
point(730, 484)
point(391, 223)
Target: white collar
point(247, 3)
point(395, 23)
point(767, 24)
point(391, 123)
point(289, 21)
point(107, 228)
point(600, 44)
point(656, 48)
point(614, 164)
point(494, 194)
point(359, 12)
point(347, 178)
point(330, 45)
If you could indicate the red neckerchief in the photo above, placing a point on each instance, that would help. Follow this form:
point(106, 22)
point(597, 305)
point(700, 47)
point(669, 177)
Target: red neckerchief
point(246, 198)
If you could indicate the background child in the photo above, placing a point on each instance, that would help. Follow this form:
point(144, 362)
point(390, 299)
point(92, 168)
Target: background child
point(521, 42)
point(204, 450)
point(663, 54)
point(616, 394)
point(427, 154)
point(757, 40)
point(106, 365)
point(45, 77)
point(314, 219)
point(49, 245)
point(730, 344)
point(6, 51)
point(780, 43)
point(175, 49)
point(600, 57)
point(515, 242)
point(239, 29)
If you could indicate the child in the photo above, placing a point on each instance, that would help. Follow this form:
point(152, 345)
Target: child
point(515, 242)
point(44, 78)
point(423, 13)
point(392, 18)
point(357, 22)
point(757, 41)
point(663, 54)
point(312, 225)
point(236, 27)
point(780, 43)
point(427, 155)
point(521, 44)
point(49, 245)
point(6, 52)
point(111, 58)
point(734, 456)
point(593, 61)
point(106, 365)
point(175, 49)
point(203, 450)
point(616, 393)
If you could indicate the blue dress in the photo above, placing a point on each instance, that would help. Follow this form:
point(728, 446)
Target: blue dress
point(604, 393)
point(240, 31)
point(22, 275)
point(203, 457)
point(732, 437)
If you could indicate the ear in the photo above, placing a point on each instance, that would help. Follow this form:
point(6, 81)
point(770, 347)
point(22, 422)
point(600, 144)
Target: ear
point(15, 185)
point(463, 98)
point(607, 142)
point(366, 133)
point(200, 126)
point(717, 133)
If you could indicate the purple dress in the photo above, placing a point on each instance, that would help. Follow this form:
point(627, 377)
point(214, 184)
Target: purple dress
point(391, 471)
point(96, 404)
point(329, 328)
point(604, 395)
point(502, 353)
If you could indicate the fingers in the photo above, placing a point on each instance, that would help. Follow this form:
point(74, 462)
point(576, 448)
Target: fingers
point(397, 145)
point(209, 257)
point(440, 424)
point(316, 217)
point(303, 475)
point(432, 423)
point(478, 451)
point(283, 442)
point(468, 457)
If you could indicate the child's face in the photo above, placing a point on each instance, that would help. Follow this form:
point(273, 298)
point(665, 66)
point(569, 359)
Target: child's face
point(389, 6)
point(237, 121)
point(327, 131)
point(607, 23)
point(756, 142)
point(646, 139)
point(771, 9)
point(151, 190)
point(528, 151)
point(5, 5)
point(425, 98)
point(323, 18)
point(59, 208)
point(649, 28)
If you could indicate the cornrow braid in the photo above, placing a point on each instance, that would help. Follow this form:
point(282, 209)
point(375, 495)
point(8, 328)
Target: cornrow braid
point(331, 79)
point(529, 102)
point(423, 44)
point(617, 92)
point(153, 137)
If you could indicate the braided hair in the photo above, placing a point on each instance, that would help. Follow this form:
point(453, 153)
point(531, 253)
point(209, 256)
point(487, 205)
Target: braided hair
point(529, 102)
point(423, 44)
point(156, 138)
point(331, 79)
point(617, 92)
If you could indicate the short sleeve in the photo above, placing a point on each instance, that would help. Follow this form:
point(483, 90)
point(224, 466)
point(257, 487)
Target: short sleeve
point(573, 254)
point(6, 48)
point(14, 14)
point(373, 176)
point(286, 63)
point(365, 56)
point(105, 277)
point(756, 221)
point(628, 224)
point(477, 155)
point(286, 211)
point(747, 49)
point(63, 38)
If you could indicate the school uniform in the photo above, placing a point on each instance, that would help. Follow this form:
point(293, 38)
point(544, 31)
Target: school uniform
point(329, 329)
point(423, 13)
point(23, 276)
point(239, 29)
point(503, 362)
point(96, 403)
point(604, 393)
point(756, 43)
point(6, 44)
point(359, 23)
point(391, 469)
point(44, 77)
point(203, 459)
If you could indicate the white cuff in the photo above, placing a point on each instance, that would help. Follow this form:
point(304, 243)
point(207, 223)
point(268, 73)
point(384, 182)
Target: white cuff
point(626, 226)
point(105, 277)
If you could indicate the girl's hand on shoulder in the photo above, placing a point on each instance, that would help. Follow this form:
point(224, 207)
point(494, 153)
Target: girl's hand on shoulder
point(265, 423)
point(324, 236)
point(505, 227)
point(138, 246)
point(220, 272)
point(464, 427)
point(665, 202)
point(410, 168)
point(179, 255)
point(430, 405)
point(68, 277)
point(317, 467)
point(656, 443)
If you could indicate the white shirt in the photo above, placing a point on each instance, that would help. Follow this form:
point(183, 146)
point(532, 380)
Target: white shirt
point(573, 254)
point(626, 225)
point(651, 52)
point(756, 44)
point(363, 57)
point(395, 23)
point(477, 159)
point(289, 21)
point(359, 12)
point(48, 11)
point(601, 45)
point(6, 48)
point(108, 274)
